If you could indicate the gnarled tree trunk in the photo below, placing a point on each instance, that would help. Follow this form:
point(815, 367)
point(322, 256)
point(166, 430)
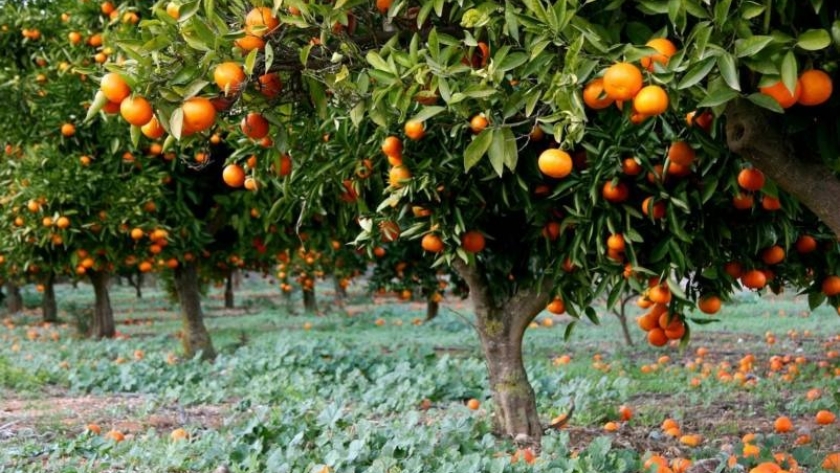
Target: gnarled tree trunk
point(229, 290)
point(49, 308)
point(432, 309)
point(310, 304)
point(103, 314)
point(501, 326)
point(340, 292)
point(14, 301)
point(195, 336)
point(136, 281)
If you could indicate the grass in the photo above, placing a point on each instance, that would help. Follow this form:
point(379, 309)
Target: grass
point(346, 393)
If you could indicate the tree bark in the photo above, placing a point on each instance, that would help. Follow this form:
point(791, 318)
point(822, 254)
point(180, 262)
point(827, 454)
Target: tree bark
point(136, 281)
point(229, 303)
point(432, 309)
point(14, 301)
point(103, 314)
point(753, 134)
point(310, 304)
point(340, 292)
point(621, 315)
point(49, 308)
point(501, 326)
point(195, 337)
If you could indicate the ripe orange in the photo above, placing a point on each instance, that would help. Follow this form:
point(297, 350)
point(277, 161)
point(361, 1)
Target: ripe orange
point(251, 184)
point(783, 425)
point(473, 404)
point(270, 85)
point(68, 129)
point(770, 204)
point(229, 76)
point(153, 129)
point(137, 234)
point(594, 96)
point(703, 121)
point(179, 434)
point(94, 429)
point(781, 94)
point(62, 222)
point(383, 6)
point(832, 462)
point(651, 101)
point(816, 87)
point(773, 255)
point(260, 22)
point(709, 304)
point(654, 209)
point(285, 165)
point(742, 201)
point(173, 10)
point(414, 129)
point(248, 43)
point(754, 279)
point(199, 115)
point(389, 231)
point(74, 37)
point(556, 306)
point(114, 87)
point(825, 417)
point(107, 8)
point(472, 241)
point(631, 167)
point(233, 175)
point(432, 243)
point(806, 244)
point(657, 337)
point(681, 153)
point(397, 175)
point(555, 163)
point(615, 193)
point(115, 435)
point(831, 286)
point(478, 123)
point(616, 242)
point(254, 126)
point(664, 47)
point(625, 413)
point(136, 110)
point(751, 179)
point(392, 147)
point(622, 81)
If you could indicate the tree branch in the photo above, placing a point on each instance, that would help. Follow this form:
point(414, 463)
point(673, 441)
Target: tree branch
point(477, 282)
point(751, 133)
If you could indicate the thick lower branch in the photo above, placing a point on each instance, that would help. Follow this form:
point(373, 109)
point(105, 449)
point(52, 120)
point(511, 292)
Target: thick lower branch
point(752, 133)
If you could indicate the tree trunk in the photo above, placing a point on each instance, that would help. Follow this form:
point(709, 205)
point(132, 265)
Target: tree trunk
point(432, 309)
point(310, 304)
point(14, 301)
point(195, 337)
point(49, 307)
point(753, 134)
point(340, 292)
point(229, 290)
point(621, 314)
point(501, 326)
point(288, 300)
point(103, 314)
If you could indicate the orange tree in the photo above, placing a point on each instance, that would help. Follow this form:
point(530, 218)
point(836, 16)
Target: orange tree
point(71, 188)
point(565, 150)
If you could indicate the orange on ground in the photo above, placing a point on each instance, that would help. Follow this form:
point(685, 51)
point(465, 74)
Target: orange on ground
point(825, 417)
point(783, 425)
point(473, 404)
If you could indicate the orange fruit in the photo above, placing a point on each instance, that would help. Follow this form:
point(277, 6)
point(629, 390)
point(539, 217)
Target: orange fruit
point(472, 241)
point(770, 203)
point(825, 417)
point(625, 413)
point(832, 462)
point(622, 81)
point(229, 76)
point(397, 174)
point(754, 279)
point(179, 434)
point(74, 37)
point(251, 184)
point(783, 425)
point(94, 429)
point(831, 286)
point(199, 115)
point(114, 87)
point(651, 101)
point(260, 22)
point(555, 163)
point(733, 269)
point(285, 165)
point(68, 129)
point(153, 129)
point(254, 126)
point(709, 304)
point(816, 87)
point(62, 222)
point(631, 167)
point(703, 121)
point(556, 306)
point(656, 462)
point(478, 123)
point(414, 129)
point(137, 234)
point(136, 110)
point(383, 6)
point(806, 244)
point(653, 209)
point(473, 404)
point(270, 85)
point(233, 175)
point(615, 193)
point(751, 179)
point(657, 337)
point(392, 147)
point(432, 243)
point(781, 94)
point(115, 435)
point(665, 49)
point(681, 153)
point(594, 96)
point(248, 43)
point(173, 10)
point(743, 201)
point(773, 255)
point(616, 242)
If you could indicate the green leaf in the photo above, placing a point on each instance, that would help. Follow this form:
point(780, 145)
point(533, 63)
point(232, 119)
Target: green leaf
point(765, 101)
point(99, 101)
point(511, 151)
point(789, 71)
point(815, 299)
point(718, 97)
point(374, 59)
point(269, 56)
point(176, 122)
point(477, 148)
point(814, 40)
point(427, 113)
point(567, 334)
point(251, 61)
point(512, 61)
point(729, 71)
point(752, 46)
point(696, 73)
point(499, 149)
point(135, 135)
